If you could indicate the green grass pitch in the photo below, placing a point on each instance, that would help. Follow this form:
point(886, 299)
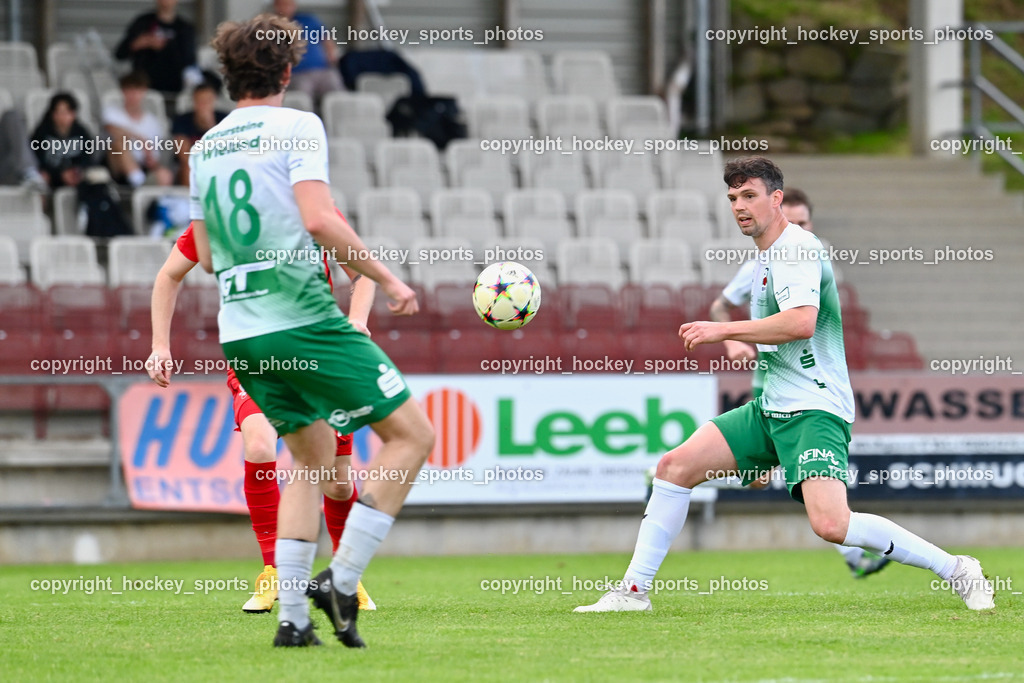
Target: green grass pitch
point(801, 618)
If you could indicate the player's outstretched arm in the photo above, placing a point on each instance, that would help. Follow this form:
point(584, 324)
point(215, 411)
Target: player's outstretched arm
point(165, 295)
point(334, 233)
point(721, 312)
point(786, 326)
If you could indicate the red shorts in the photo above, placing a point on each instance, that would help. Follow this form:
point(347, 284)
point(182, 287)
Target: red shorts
point(244, 406)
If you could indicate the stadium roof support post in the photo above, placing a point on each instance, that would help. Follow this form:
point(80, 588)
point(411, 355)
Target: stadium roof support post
point(656, 48)
point(511, 11)
point(703, 68)
point(14, 20)
point(936, 110)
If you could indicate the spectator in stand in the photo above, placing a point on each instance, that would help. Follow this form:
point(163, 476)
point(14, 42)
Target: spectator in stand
point(137, 136)
point(187, 128)
point(17, 163)
point(62, 145)
point(317, 73)
point(162, 45)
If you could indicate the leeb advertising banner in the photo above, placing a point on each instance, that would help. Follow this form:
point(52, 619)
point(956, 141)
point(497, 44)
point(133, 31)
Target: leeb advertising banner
point(522, 439)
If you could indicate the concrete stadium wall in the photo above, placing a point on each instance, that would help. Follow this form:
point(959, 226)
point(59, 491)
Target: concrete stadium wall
point(154, 537)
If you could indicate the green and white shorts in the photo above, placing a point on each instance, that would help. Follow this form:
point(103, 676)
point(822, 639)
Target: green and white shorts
point(807, 444)
point(327, 370)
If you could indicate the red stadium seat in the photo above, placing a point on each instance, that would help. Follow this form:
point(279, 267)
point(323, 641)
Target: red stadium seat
point(593, 307)
point(697, 300)
point(855, 342)
point(78, 308)
point(893, 351)
point(539, 346)
point(413, 351)
point(652, 307)
point(18, 348)
point(453, 307)
point(590, 350)
point(197, 309)
point(20, 308)
point(464, 350)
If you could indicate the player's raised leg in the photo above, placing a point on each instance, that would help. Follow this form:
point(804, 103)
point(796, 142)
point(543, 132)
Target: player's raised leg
point(679, 470)
point(407, 439)
point(832, 520)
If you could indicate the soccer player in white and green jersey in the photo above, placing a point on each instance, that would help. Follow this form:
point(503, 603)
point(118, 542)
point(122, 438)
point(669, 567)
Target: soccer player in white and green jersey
point(796, 206)
point(801, 423)
point(262, 210)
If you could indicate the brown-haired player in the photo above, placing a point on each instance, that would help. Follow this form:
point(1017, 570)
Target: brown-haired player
point(259, 186)
point(796, 206)
point(801, 423)
point(259, 439)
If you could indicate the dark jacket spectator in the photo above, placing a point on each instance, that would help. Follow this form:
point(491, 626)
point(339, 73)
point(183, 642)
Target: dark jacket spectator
point(62, 145)
point(161, 45)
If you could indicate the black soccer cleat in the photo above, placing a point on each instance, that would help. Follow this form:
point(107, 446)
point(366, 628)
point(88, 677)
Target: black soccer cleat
point(288, 635)
point(342, 610)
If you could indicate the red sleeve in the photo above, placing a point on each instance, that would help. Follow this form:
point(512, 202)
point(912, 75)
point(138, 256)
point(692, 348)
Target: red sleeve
point(187, 245)
point(233, 382)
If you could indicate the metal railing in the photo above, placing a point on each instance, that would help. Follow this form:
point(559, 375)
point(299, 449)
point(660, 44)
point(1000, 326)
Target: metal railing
point(979, 86)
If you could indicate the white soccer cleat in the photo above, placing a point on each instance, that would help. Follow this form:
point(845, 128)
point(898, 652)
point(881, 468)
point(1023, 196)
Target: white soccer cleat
point(620, 599)
point(969, 582)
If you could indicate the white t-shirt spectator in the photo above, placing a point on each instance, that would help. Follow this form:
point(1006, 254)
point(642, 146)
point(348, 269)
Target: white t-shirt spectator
point(148, 127)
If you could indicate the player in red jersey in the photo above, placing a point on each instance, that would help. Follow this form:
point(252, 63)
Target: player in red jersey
point(258, 436)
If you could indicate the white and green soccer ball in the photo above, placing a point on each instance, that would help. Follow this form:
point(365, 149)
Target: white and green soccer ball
point(506, 295)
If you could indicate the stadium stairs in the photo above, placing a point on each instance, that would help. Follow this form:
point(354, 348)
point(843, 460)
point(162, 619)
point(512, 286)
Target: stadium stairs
point(956, 309)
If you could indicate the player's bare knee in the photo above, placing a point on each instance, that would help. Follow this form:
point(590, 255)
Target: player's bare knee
point(260, 450)
point(676, 467)
point(829, 527)
point(338, 490)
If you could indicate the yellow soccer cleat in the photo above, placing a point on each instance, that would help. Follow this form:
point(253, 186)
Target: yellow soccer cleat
point(365, 601)
point(266, 592)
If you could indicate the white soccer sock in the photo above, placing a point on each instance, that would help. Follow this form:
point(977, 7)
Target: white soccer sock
point(889, 539)
point(364, 531)
point(851, 555)
point(294, 565)
point(663, 520)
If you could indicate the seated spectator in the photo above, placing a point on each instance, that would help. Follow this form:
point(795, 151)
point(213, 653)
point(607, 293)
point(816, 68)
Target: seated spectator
point(137, 135)
point(162, 45)
point(62, 145)
point(18, 164)
point(317, 72)
point(187, 128)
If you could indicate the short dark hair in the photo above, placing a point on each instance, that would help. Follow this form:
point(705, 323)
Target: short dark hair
point(62, 98)
point(255, 67)
point(797, 197)
point(739, 171)
point(134, 79)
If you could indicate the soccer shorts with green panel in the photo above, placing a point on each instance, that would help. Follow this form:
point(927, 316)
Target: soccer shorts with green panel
point(810, 443)
point(327, 370)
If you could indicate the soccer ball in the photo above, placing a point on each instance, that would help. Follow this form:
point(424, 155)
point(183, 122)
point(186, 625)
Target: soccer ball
point(506, 295)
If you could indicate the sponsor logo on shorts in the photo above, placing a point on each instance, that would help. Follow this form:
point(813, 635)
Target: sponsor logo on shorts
point(818, 455)
point(390, 382)
point(340, 418)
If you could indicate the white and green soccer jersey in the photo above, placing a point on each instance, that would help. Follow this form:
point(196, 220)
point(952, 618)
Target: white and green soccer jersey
point(806, 374)
point(270, 270)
